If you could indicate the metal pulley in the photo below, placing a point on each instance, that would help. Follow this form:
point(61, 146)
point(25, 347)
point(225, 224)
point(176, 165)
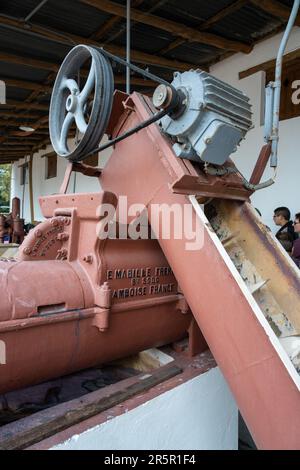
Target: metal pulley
point(89, 108)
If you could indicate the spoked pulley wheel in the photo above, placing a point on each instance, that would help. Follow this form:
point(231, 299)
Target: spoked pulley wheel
point(88, 106)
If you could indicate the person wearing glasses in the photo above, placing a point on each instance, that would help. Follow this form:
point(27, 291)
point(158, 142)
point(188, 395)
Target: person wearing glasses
point(296, 245)
point(286, 233)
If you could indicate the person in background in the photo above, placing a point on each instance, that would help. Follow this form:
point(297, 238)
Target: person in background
point(296, 245)
point(286, 234)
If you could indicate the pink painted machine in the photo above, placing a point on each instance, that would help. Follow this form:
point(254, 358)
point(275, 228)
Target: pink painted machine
point(75, 299)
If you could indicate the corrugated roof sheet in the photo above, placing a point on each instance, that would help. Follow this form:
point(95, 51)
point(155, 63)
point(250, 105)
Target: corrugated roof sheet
point(143, 38)
point(67, 15)
point(189, 12)
point(246, 24)
point(26, 44)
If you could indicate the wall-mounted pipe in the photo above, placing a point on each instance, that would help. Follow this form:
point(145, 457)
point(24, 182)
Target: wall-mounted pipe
point(277, 84)
point(128, 46)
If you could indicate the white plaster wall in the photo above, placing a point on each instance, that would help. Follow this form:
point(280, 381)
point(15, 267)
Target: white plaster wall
point(285, 191)
point(200, 414)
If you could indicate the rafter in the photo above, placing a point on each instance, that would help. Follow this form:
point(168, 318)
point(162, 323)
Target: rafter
point(16, 138)
point(154, 5)
point(8, 122)
point(5, 113)
point(7, 161)
point(270, 64)
point(21, 105)
point(27, 85)
point(41, 144)
point(62, 38)
point(13, 155)
point(172, 27)
point(14, 152)
point(234, 6)
point(71, 39)
point(109, 24)
point(35, 126)
point(9, 145)
point(28, 62)
point(112, 22)
point(45, 88)
point(276, 9)
point(31, 97)
point(237, 5)
point(38, 88)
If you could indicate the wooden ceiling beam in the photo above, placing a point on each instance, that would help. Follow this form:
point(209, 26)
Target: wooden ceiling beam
point(234, 6)
point(41, 144)
point(134, 4)
point(112, 22)
point(15, 152)
point(22, 137)
point(21, 115)
point(9, 145)
point(14, 122)
point(276, 9)
point(8, 161)
point(50, 66)
point(270, 64)
point(11, 148)
point(15, 155)
point(21, 105)
point(136, 55)
point(20, 133)
point(4, 159)
point(31, 97)
point(25, 140)
point(173, 45)
point(72, 39)
point(27, 85)
point(44, 119)
point(108, 25)
point(237, 5)
point(28, 62)
point(178, 29)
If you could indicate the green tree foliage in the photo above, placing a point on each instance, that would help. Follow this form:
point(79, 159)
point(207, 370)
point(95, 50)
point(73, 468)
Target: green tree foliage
point(5, 172)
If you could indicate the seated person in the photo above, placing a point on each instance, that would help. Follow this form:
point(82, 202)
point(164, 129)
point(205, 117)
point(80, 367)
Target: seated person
point(286, 234)
point(296, 245)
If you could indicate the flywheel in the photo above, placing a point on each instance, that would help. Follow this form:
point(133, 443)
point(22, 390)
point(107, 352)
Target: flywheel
point(81, 102)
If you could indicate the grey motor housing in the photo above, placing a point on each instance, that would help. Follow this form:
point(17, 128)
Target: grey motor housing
point(215, 119)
